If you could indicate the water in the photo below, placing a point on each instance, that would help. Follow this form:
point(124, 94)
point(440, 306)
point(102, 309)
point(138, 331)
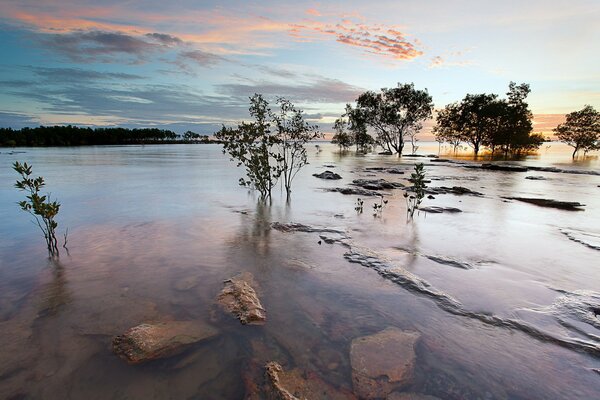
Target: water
point(501, 294)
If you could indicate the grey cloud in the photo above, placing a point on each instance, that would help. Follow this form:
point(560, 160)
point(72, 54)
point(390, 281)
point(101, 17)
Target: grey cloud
point(321, 90)
point(165, 39)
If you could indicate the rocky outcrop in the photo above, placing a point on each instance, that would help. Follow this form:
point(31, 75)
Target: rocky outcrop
point(152, 341)
point(328, 175)
point(458, 190)
point(589, 239)
point(376, 184)
point(299, 385)
point(535, 178)
point(239, 298)
point(439, 210)
point(397, 171)
point(562, 205)
point(355, 191)
point(504, 167)
point(383, 362)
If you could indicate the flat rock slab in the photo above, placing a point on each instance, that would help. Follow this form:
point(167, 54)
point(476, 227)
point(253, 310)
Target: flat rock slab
point(354, 191)
point(239, 298)
point(439, 210)
point(562, 205)
point(328, 175)
point(383, 362)
point(376, 184)
point(152, 341)
point(299, 385)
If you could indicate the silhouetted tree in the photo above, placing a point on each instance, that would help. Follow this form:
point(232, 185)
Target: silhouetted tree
point(394, 113)
point(342, 136)
point(581, 130)
point(357, 125)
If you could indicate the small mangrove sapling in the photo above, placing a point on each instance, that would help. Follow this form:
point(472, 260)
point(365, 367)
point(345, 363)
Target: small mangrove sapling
point(418, 191)
point(43, 210)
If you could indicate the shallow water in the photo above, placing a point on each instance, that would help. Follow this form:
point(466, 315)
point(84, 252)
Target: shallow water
point(502, 293)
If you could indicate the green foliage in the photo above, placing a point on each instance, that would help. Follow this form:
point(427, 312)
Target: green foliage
point(485, 120)
point(393, 114)
point(271, 147)
point(43, 210)
point(581, 130)
point(413, 201)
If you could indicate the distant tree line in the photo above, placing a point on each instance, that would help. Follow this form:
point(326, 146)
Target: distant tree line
point(77, 136)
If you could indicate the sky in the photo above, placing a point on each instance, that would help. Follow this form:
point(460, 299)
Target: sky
point(191, 65)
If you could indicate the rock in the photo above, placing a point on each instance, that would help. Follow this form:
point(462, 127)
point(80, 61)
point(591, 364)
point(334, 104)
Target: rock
point(410, 396)
point(187, 283)
point(152, 341)
point(457, 190)
point(589, 239)
point(239, 298)
point(395, 171)
point(297, 227)
point(327, 175)
point(375, 169)
point(562, 205)
point(385, 153)
point(439, 210)
point(354, 191)
point(535, 178)
point(376, 184)
point(383, 362)
point(299, 385)
point(504, 167)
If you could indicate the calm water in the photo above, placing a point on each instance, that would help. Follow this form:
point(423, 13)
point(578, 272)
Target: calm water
point(142, 219)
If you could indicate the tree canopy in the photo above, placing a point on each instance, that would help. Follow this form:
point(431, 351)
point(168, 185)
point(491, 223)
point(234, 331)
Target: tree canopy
point(485, 120)
point(393, 113)
point(581, 130)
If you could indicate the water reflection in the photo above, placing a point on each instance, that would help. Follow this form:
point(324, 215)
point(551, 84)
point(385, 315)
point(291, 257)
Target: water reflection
point(54, 295)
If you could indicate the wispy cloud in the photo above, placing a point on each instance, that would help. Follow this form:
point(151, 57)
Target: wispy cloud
point(386, 41)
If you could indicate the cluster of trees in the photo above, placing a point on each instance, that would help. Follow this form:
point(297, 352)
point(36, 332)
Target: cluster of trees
point(394, 114)
point(270, 148)
point(77, 136)
point(486, 120)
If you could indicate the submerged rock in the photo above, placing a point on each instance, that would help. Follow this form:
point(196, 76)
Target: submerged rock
point(410, 396)
point(504, 167)
point(458, 190)
point(239, 298)
point(152, 341)
point(535, 178)
point(297, 385)
point(439, 210)
point(395, 171)
point(562, 205)
point(297, 227)
point(376, 184)
point(355, 191)
point(383, 362)
point(589, 239)
point(328, 175)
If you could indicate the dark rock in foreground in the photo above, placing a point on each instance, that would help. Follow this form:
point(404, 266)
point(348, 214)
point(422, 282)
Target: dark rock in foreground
point(383, 362)
point(376, 184)
point(152, 341)
point(239, 298)
point(535, 178)
point(329, 175)
point(439, 210)
point(562, 205)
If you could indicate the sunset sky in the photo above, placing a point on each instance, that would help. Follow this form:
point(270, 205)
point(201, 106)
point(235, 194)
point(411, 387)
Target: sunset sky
point(187, 64)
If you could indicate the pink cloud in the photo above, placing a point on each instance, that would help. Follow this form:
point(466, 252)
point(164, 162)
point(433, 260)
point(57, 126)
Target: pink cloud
point(313, 12)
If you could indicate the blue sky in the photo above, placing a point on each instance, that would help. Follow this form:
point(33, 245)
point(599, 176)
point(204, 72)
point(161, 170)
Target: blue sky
point(192, 65)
